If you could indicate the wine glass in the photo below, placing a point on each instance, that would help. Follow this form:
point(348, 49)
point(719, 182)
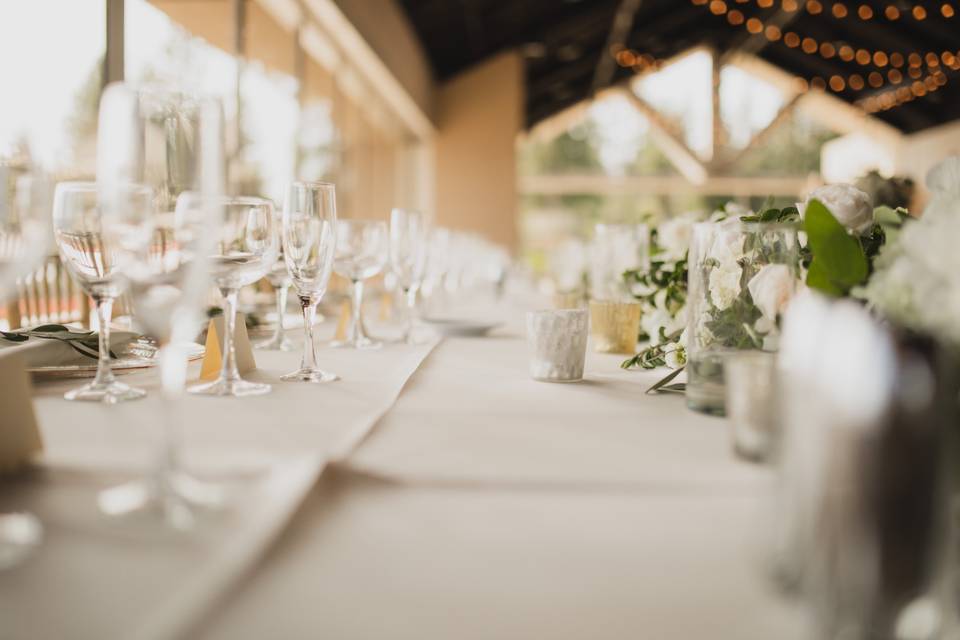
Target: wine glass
point(160, 173)
point(361, 253)
point(246, 247)
point(24, 241)
point(88, 248)
point(279, 279)
point(408, 257)
point(309, 242)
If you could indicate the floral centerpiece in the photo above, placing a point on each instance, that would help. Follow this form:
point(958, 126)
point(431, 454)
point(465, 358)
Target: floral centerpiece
point(839, 233)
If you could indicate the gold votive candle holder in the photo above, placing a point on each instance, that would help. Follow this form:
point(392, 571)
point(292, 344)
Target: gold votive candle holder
point(614, 325)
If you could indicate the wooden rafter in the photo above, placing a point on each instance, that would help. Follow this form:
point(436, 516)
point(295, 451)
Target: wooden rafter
point(673, 147)
point(760, 137)
point(619, 32)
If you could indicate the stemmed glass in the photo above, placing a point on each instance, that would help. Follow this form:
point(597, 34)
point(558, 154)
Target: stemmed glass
point(88, 248)
point(361, 254)
point(24, 241)
point(246, 248)
point(408, 257)
point(309, 242)
point(279, 279)
point(160, 166)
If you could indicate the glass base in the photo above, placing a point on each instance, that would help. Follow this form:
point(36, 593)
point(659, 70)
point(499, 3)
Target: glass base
point(276, 343)
point(310, 375)
point(172, 500)
point(231, 388)
point(703, 404)
point(359, 343)
point(20, 534)
point(110, 393)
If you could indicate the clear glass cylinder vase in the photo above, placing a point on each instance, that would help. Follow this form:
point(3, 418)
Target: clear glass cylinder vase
point(741, 278)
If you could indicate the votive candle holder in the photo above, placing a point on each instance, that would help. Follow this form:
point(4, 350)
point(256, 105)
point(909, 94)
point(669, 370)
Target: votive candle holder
point(614, 325)
point(558, 344)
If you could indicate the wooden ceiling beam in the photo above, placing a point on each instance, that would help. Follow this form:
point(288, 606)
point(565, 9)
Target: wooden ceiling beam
point(619, 32)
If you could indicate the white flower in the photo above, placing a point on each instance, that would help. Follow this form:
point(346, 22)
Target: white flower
point(675, 355)
point(673, 236)
point(849, 205)
point(724, 284)
point(771, 289)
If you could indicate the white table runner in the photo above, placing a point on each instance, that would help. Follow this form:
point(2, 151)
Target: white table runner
point(93, 579)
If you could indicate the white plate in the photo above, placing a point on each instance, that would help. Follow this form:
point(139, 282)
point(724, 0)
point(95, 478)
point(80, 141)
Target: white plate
point(461, 328)
point(139, 355)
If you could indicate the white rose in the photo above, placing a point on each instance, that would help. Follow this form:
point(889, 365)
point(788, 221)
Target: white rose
point(849, 205)
point(673, 236)
point(727, 245)
point(771, 289)
point(724, 284)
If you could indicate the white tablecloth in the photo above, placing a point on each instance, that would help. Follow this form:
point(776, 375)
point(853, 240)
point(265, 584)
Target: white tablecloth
point(486, 505)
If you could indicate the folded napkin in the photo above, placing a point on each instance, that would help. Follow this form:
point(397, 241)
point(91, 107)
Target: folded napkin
point(55, 345)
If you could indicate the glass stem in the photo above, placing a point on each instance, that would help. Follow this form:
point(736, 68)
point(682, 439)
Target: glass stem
point(309, 308)
point(281, 308)
point(104, 311)
point(357, 323)
point(410, 297)
point(173, 377)
point(228, 368)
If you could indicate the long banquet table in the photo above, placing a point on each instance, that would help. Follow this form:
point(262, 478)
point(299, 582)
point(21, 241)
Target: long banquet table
point(436, 492)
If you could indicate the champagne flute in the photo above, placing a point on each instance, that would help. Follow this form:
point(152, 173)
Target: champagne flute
point(88, 248)
point(246, 248)
point(408, 257)
point(361, 253)
point(154, 145)
point(309, 243)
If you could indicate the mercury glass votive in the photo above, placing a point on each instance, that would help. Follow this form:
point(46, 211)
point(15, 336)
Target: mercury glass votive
point(751, 402)
point(558, 344)
point(614, 325)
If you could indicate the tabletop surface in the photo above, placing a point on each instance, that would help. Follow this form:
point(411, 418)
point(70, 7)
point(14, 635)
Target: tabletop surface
point(459, 498)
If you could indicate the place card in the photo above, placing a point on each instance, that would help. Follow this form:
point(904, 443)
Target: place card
point(19, 433)
point(212, 358)
point(343, 323)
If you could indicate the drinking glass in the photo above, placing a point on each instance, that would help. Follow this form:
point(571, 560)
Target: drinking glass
point(309, 242)
point(24, 241)
point(616, 248)
point(88, 248)
point(408, 257)
point(361, 253)
point(279, 279)
point(160, 174)
point(741, 278)
point(246, 247)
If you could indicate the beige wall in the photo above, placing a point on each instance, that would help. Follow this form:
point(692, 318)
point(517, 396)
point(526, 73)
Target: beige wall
point(479, 114)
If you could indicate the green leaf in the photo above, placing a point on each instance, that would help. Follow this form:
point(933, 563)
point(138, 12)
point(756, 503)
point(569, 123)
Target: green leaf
point(770, 215)
point(656, 388)
point(842, 260)
point(817, 278)
point(887, 217)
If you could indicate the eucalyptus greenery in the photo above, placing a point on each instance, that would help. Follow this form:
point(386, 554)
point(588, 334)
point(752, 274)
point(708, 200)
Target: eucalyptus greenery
point(86, 343)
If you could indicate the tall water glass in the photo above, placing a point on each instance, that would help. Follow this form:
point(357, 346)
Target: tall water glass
point(408, 257)
point(24, 241)
point(361, 253)
point(170, 145)
point(246, 248)
point(615, 249)
point(741, 278)
point(89, 249)
point(309, 242)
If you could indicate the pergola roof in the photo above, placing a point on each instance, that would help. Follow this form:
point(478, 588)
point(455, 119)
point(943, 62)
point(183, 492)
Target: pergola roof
point(565, 42)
